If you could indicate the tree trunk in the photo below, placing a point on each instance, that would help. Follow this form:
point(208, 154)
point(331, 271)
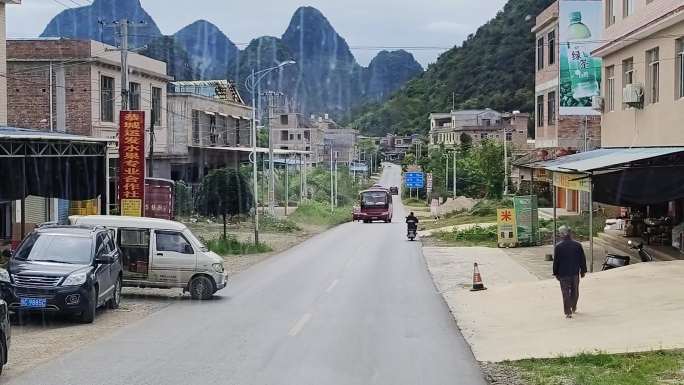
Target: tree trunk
point(224, 227)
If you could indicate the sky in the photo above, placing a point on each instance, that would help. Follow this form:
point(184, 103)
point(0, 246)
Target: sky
point(425, 28)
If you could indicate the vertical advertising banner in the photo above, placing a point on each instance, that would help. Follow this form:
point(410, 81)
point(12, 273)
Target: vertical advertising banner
point(132, 163)
point(527, 219)
point(580, 31)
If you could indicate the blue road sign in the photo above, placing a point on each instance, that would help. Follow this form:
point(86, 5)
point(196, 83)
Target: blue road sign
point(414, 179)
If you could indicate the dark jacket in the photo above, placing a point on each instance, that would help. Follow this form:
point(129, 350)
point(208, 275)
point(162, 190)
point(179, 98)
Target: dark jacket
point(569, 259)
point(412, 221)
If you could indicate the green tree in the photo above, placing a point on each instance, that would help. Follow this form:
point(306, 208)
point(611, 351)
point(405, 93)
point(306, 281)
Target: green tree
point(466, 142)
point(224, 192)
point(492, 68)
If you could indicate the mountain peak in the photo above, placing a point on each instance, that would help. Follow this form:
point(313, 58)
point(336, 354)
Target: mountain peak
point(209, 48)
point(310, 36)
point(84, 22)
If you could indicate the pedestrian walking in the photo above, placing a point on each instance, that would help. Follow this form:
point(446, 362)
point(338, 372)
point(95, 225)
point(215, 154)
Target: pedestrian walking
point(569, 264)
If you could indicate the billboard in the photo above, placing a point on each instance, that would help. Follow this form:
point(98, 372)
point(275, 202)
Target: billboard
point(527, 219)
point(580, 31)
point(132, 163)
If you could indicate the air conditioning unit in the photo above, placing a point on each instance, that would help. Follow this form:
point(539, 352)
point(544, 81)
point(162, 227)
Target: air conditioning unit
point(633, 94)
point(597, 103)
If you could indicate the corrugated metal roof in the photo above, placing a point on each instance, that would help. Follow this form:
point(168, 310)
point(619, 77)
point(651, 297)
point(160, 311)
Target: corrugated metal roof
point(26, 133)
point(606, 158)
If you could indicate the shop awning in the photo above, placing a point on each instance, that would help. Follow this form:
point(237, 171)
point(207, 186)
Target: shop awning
point(628, 176)
point(606, 159)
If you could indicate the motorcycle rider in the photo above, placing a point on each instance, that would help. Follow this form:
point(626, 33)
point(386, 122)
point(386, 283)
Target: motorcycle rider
point(412, 222)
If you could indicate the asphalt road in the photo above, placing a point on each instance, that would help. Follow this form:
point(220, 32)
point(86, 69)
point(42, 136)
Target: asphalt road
point(354, 305)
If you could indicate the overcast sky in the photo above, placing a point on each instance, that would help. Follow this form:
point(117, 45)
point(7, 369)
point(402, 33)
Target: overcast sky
point(367, 25)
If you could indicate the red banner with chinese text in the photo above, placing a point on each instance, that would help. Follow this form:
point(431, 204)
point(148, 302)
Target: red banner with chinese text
point(132, 163)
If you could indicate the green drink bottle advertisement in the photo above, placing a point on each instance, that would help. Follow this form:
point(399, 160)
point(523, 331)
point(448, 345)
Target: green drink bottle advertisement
point(580, 73)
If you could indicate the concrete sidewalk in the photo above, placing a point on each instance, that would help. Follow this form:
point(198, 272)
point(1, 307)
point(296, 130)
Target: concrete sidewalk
point(635, 308)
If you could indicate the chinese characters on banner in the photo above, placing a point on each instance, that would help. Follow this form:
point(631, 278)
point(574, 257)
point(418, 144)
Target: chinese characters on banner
point(132, 162)
point(506, 228)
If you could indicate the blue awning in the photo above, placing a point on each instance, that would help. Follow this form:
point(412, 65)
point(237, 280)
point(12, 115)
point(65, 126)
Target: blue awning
point(606, 158)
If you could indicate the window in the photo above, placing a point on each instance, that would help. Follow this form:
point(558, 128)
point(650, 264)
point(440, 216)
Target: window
point(680, 67)
point(551, 37)
point(284, 120)
point(299, 136)
point(173, 242)
point(156, 105)
point(540, 54)
point(610, 88)
point(653, 75)
point(610, 12)
point(134, 96)
point(540, 111)
point(106, 99)
point(627, 74)
point(212, 129)
point(283, 135)
point(551, 108)
point(483, 135)
point(134, 238)
point(195, 127)
point(509, 136)
point(291, 136)
point(627, 7)
point(307, 135)
point(486, 122)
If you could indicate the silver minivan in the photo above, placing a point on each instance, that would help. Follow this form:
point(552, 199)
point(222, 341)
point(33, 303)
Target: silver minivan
point(159, 253)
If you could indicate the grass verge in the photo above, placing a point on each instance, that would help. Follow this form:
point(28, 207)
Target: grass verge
point(456, 219)
point(319, 214)
point(474, 236)
point(413, 202)
point(648, 368)
point(231, 246)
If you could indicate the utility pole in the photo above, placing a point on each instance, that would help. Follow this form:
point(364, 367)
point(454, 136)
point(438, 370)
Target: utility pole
point(287, 183)
point(123, 26)
point(271, 162)
point(255, 167)
point(505, 148)
point(455, 180)
point(332, 202)
point(336, 191)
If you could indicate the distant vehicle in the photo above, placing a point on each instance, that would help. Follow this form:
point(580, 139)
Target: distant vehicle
point(159, 198)
point(375, 205)
point(159, 253)
point(5, 333)
point(68, 269)
point(394, 190)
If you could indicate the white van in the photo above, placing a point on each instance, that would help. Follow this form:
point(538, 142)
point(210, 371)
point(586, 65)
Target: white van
point(162, 254)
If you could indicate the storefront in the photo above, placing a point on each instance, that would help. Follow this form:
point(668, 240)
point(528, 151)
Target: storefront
point(42, 174)
point(648, 182)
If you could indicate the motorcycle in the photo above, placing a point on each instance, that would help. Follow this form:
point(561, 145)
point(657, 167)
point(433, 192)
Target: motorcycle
point(614, 261)
point(412, 230)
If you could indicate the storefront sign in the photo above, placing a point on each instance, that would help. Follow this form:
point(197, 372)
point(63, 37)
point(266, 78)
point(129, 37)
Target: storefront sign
point(527, 219)
point(132, 163)
point(576, 182)
point(506, 229)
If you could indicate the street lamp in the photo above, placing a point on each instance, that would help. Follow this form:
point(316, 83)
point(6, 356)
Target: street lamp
point(251, 84)
point(505, 148)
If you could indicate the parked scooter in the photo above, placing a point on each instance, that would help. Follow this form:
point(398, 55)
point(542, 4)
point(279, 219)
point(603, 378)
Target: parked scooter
point(614, 261)
point(412, 230)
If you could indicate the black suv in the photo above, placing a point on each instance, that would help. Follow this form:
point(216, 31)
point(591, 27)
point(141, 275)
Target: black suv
point(71, 269)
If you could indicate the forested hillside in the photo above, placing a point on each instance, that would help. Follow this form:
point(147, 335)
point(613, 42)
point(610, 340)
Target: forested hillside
point(493, 68)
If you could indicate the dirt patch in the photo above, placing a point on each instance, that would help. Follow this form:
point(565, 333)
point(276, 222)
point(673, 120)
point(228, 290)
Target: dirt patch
point(501, 374)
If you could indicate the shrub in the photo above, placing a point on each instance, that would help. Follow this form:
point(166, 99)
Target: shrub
point(232, 246)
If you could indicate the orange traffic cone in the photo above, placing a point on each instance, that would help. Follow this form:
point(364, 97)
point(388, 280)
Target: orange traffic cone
point(477, 279)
